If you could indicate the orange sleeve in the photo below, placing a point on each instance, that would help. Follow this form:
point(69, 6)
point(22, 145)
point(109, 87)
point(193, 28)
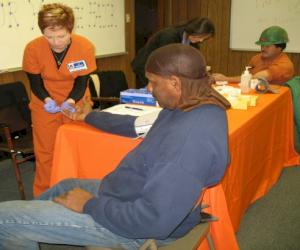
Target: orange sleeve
point(282, 70)
point(30, 60)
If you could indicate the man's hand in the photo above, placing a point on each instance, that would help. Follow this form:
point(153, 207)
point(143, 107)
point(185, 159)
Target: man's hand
point(80, 112)
point(68, 105)
point(219, 77)
point(74, 199)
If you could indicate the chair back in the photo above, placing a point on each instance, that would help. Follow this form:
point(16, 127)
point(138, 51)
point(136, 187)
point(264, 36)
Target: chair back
point(110, 83)
point(105, 86)
point(14, 110)
point(15, 128)
point(15, 119)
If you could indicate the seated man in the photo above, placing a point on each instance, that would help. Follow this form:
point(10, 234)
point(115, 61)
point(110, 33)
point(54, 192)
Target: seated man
point(153, 191)
point(271, 64)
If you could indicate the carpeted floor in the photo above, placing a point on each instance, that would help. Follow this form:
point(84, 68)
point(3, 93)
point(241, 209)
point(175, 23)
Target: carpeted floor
point(272, 222)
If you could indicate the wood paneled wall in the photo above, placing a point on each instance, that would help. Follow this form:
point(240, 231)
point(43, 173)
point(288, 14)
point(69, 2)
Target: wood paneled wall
point(216, 50)
point(121, 62)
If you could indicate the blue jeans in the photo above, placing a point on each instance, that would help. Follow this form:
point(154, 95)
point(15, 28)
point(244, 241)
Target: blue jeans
point(25, 223)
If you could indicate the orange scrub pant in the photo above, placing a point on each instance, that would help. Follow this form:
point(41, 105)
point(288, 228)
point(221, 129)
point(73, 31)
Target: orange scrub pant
point(45, 126)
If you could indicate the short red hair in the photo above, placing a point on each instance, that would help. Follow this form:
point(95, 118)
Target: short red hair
point(56, 15)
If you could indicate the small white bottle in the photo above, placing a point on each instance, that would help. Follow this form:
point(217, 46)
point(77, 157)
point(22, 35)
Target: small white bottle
point(245, 81)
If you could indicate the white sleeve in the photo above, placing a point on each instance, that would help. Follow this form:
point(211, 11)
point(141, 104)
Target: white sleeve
point(143, 123)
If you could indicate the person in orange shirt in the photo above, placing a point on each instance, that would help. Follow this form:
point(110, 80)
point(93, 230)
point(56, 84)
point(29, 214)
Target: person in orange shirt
point(58, 65)
point(271, 64)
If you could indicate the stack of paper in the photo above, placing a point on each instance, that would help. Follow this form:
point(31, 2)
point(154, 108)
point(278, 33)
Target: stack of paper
point(132, 109)
point(242, 101)
point(146, 115)
point(236, 99)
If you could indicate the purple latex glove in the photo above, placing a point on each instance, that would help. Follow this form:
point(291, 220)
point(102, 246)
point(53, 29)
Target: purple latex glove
point(51, 107)
point(67, 106)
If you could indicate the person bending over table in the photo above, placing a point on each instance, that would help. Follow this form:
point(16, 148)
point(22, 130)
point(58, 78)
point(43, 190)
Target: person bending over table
point(153, 191)
point(271, 64)
point(192, 33)
point(58, 65)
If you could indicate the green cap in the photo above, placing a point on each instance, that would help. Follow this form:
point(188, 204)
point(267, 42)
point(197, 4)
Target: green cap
point(273, 35)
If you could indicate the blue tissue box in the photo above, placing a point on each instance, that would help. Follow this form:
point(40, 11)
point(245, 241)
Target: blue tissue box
point(137, 96)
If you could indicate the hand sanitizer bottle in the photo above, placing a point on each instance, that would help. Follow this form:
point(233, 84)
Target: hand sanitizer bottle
point(245, 81)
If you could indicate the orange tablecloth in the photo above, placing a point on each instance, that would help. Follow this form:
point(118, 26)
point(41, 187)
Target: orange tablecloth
point(261, 144)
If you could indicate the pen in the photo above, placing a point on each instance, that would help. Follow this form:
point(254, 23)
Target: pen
point(127, 107)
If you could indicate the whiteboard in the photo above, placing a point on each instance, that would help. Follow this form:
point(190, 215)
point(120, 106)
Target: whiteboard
point(101, 21)
point(250, 17)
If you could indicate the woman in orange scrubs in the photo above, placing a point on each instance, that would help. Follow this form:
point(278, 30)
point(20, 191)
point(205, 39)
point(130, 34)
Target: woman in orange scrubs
point(57, 65)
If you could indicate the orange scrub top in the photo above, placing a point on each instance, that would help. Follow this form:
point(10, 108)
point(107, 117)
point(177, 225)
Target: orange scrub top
point(38, 59)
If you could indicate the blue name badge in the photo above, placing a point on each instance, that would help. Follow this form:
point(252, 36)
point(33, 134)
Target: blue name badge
point(76, 66)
